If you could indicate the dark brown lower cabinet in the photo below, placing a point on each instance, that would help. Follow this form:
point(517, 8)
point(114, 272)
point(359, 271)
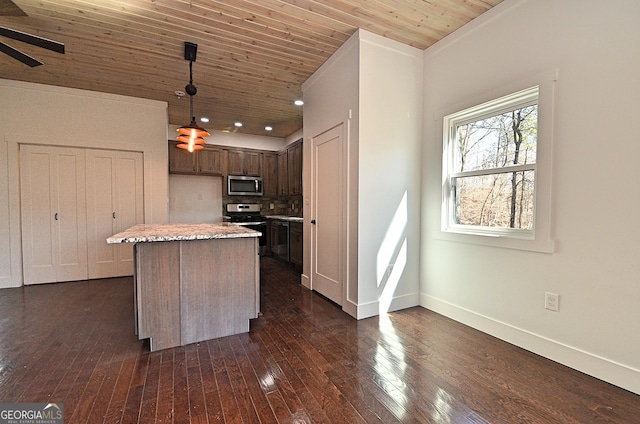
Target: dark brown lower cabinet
point(295, 243)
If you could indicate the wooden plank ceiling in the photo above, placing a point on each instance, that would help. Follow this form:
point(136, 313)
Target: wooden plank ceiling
point(253, 55)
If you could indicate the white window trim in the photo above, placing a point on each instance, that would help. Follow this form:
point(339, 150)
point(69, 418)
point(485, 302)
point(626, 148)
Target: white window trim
point(539, 238)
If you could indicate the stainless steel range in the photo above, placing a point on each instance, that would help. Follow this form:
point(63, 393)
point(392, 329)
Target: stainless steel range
point(248, 215)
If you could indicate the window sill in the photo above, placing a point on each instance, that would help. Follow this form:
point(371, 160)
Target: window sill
point(541, 246)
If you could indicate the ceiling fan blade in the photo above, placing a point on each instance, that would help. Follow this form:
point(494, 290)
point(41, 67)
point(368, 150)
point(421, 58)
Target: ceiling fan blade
point(33, 40)
point(17, 54)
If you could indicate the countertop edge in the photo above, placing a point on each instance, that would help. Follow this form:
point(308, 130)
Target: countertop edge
point(181, 232)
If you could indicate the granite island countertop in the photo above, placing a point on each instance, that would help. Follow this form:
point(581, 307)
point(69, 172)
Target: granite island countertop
point(143, 233)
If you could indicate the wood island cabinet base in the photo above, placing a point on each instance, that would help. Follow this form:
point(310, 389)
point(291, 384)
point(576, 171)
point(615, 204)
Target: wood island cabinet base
point(190, 291)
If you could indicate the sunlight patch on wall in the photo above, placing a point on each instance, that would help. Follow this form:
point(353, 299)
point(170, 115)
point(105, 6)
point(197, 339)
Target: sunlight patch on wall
point(392, 256)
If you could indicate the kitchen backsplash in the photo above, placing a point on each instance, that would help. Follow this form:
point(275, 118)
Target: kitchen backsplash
point(290, 205)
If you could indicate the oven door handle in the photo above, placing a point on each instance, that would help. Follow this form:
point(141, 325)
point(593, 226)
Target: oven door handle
point(246, 224)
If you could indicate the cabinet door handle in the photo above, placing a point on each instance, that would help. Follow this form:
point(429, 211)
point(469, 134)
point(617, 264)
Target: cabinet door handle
point(313, 221)
point(56, 216)
point(114, 215)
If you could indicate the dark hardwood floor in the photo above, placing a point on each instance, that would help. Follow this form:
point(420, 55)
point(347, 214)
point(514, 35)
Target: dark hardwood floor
point(304, 361)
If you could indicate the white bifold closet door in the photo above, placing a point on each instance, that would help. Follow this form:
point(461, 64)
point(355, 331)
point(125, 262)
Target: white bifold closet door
point(114, 203)
point(54, 239)
point(72, 199)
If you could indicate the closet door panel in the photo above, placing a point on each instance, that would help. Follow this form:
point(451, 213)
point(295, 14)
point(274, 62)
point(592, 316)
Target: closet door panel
point(37, 180)
point(115, 199)
point(100, 210)
point(70, 232)
point(130, 203)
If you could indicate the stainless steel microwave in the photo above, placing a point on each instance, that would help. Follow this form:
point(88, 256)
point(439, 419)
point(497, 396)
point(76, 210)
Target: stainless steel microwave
point(239, 185)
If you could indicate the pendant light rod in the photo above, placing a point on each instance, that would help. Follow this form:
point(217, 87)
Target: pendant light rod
point(193, 87)
point(191, 135)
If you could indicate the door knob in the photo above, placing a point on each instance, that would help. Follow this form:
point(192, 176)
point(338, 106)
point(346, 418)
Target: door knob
point(313, 221)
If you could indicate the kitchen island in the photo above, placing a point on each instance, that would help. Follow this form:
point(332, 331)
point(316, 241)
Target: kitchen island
point(193, 282)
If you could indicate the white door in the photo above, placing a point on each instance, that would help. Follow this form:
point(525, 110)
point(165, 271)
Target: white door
point(54, 239)
point(114, 203)
point(328, 207)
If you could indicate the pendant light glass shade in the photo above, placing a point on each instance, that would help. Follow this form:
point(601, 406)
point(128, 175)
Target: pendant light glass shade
point(190, 147)
point(193, 130)
point(186, 139)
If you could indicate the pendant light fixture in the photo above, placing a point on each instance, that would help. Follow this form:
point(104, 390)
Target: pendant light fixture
point(191, 136)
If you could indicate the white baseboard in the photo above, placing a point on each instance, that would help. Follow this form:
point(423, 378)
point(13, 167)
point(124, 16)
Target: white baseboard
point(602, 368)
point(305, 281)
point(371, 309)
point(350, 308)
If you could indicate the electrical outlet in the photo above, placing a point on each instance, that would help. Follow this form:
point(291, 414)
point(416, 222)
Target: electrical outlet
point(551, 301)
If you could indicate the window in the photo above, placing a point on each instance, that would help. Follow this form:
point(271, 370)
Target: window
point(491, 152)
point(493, 190)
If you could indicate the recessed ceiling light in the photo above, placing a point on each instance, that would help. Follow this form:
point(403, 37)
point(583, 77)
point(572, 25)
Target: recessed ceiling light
point(298, 102)
point(268, 128)
point(204, 119)
point(237, 124)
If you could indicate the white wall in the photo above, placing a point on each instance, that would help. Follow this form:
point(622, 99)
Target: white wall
point(389, 147)
point(373, 86)
point(292, 138)
point(41, 114)
point(595, 267)
point(331, 98)
point(195, 199)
